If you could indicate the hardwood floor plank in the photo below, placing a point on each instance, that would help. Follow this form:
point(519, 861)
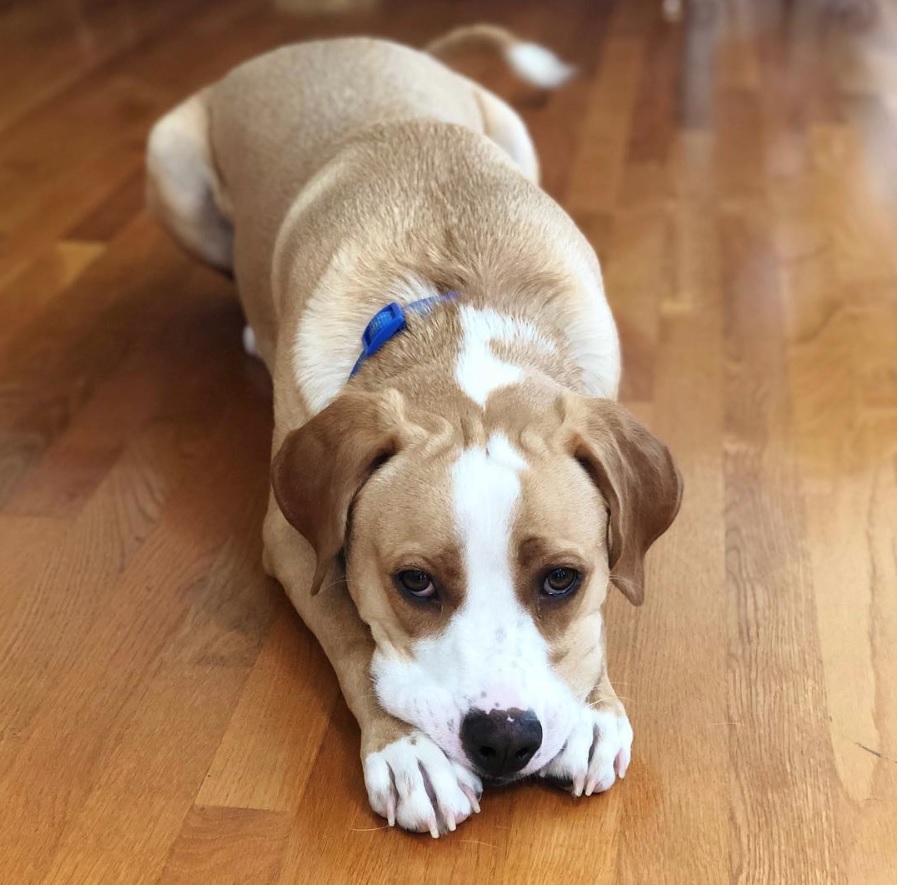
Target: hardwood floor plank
point(48, 44)
point(841, 358)
point(73, 582)
point(687, 720)
point(775, 674)
point(46, 377)
point(159, 377)
point(171, 725)
point(104, 221)
point(228, 846)
point(158, 413)
point(605, 130)
point(23, 540)
point(26, 295)
point(633, 276)
point(268, 751)
point(111, 677)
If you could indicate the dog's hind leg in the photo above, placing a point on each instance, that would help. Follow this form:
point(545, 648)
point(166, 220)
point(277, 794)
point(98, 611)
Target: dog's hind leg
point(505, 128)
point(184, 192)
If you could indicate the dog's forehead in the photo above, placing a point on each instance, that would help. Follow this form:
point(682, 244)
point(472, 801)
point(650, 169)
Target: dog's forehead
point(409, 500)
point(507, 460)
point(437, 495)
point(486, 488)
point(559, 500)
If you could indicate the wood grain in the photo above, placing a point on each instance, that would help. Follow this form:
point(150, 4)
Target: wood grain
point(166, 718)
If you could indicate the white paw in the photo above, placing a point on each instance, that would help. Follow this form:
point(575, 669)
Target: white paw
point(597, 751)
point(249, 341)
point(411, 782)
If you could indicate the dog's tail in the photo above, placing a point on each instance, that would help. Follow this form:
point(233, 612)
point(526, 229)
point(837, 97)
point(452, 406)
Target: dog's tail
point(535, 64)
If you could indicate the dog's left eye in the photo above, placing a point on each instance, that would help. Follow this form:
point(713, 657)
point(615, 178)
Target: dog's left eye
point(560, 582)
point(416, 583)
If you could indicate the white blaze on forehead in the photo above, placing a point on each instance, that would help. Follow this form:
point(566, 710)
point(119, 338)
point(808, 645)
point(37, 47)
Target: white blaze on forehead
point(486, 487)
point(491, 626)
point(479, 371)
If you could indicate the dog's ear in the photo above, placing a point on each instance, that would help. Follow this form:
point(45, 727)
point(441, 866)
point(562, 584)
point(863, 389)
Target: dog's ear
point(322, 465)
point(636, 475)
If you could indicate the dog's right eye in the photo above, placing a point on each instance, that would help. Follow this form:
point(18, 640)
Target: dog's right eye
point(416, 583)
point(561, 581)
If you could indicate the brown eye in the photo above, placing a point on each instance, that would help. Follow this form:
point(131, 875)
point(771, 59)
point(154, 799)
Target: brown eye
point(416, 583)
point(561, 582)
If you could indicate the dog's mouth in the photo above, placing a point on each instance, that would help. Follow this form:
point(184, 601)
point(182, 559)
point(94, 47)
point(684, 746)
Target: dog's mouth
point(504, 781)
point(494, 783)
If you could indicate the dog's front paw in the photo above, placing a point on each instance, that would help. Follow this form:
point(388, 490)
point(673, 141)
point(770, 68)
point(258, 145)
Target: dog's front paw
point(412, 782)
point(597, 751)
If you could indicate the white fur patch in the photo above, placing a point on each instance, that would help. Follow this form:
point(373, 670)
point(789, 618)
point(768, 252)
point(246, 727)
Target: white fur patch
point(537, 65)
point(328, 343)
point(486, 487)
point(479, 371)
point(183, 191)
point(590, 326)
point(490, 655)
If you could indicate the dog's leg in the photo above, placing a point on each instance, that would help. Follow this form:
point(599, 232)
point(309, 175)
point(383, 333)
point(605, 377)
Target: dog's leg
point(183, 189)
point(408, 778)
point(504, 127)
point(599, 748)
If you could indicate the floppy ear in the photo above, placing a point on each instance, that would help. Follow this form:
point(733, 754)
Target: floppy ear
point(322, 465)
point(638, 478)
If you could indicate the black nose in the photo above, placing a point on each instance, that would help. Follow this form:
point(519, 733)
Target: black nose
point(501, 742)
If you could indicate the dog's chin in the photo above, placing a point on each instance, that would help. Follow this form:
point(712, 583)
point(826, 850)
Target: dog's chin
point(499, 782)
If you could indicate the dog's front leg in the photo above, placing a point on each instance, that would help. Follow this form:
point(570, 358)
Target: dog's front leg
point(409, 779)
point(598, 750)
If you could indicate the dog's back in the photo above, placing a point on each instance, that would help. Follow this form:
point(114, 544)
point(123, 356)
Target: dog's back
point(278, 118)
point(246, 163)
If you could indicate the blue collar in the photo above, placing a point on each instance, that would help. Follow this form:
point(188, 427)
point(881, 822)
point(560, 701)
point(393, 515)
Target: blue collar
point(389, 321)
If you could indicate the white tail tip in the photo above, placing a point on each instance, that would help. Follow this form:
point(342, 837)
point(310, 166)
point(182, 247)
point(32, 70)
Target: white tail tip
point(249, 341)
point(537, 65)
point(672, 10)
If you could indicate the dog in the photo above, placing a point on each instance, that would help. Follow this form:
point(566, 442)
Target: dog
point(454, 486)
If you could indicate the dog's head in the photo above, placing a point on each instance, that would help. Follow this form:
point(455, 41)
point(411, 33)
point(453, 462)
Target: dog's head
point(479, 552)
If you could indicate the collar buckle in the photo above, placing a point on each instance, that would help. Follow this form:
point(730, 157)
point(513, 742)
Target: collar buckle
point(382, 327)
point(389, 321)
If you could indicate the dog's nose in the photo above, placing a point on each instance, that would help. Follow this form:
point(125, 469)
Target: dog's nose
point(501, 742)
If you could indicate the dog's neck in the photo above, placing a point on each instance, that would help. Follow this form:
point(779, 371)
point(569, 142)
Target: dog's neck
point(509, 325)
point(464, 350)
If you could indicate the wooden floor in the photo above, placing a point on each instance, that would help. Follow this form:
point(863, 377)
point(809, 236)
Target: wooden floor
point(165, 717)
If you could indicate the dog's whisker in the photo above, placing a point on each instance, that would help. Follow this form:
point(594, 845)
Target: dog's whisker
point(336, 583)
point(601, 701)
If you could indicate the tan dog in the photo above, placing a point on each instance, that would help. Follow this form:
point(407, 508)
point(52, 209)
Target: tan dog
point(448, 521)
